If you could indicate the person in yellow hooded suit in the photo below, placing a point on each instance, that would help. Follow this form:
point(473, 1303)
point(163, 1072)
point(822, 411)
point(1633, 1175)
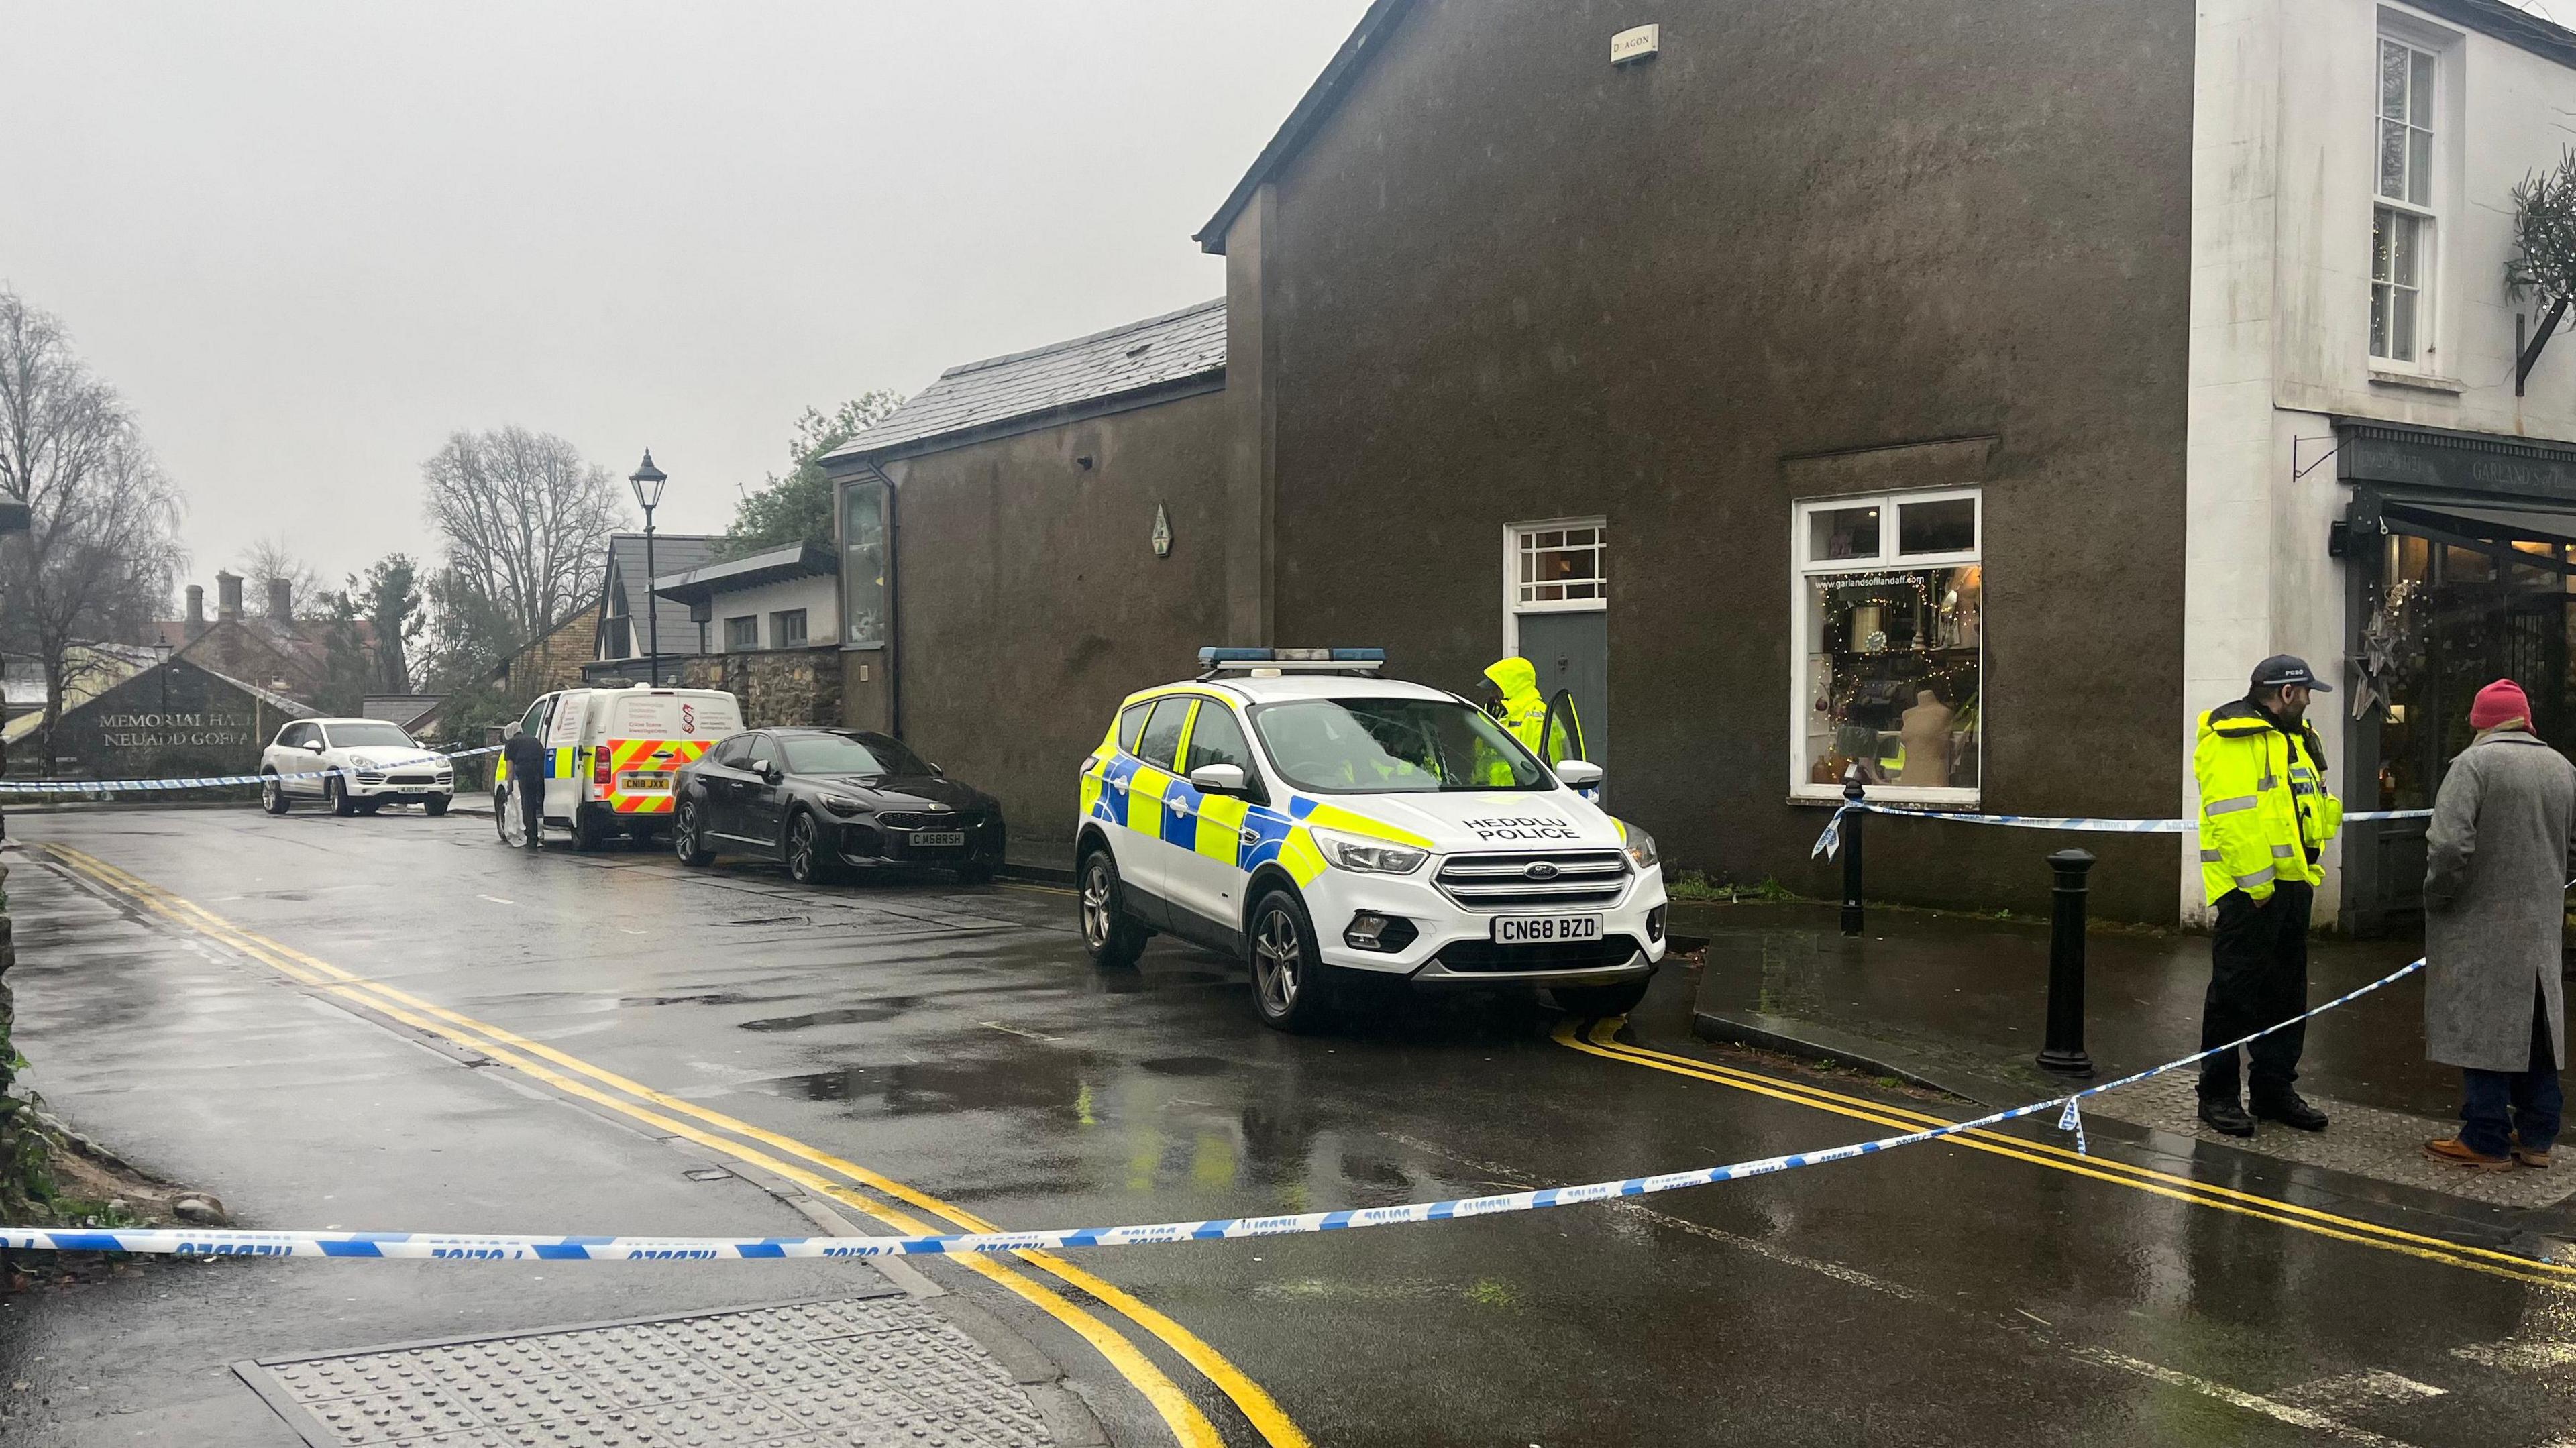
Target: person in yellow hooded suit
point(1554, 735)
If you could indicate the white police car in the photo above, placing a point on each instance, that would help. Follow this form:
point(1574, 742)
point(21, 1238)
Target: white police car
point(1291, 807)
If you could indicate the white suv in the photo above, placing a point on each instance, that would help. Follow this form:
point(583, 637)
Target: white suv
point(1292, 808)
point(357, 766)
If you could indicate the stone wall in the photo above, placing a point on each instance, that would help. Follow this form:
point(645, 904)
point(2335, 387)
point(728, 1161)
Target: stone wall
point(554, 661)
point(776, 686)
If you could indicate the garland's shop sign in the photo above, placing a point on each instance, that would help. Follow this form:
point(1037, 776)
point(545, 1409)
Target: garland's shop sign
point(171, 719)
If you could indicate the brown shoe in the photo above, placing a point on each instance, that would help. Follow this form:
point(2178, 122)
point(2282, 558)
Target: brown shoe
point(2452, 1152)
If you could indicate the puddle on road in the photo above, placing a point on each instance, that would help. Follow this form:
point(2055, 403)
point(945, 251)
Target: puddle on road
point(846, 1016)
point(707, 998)
point(1185, 1065)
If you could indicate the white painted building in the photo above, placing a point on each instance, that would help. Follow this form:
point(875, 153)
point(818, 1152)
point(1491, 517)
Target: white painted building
point(785, 598)
point(2361, 465)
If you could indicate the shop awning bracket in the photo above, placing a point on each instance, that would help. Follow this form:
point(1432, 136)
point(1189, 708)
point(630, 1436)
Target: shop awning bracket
point(2527, 354)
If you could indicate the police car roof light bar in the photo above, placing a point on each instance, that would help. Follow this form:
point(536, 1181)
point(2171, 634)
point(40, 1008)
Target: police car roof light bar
point(1239, 660)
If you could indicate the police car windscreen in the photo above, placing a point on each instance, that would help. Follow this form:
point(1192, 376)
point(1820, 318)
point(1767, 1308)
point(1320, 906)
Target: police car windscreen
point(368, 734)
point(1392, 746)
point(850, 754)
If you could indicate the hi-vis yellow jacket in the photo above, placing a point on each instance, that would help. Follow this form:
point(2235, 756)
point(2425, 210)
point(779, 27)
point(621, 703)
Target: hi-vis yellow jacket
point(2263, 802)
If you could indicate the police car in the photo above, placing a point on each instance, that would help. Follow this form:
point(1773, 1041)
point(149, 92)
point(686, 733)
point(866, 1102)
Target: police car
point(1294, 808)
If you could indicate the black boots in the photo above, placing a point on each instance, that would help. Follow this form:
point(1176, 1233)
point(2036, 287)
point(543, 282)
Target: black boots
point(2226, 1116)
point(2289, 1109)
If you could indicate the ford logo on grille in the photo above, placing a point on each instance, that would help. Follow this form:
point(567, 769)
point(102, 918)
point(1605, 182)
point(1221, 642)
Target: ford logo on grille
point(1540, 870)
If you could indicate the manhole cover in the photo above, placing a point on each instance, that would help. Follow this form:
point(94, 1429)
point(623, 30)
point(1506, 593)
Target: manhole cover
point(858, 1371)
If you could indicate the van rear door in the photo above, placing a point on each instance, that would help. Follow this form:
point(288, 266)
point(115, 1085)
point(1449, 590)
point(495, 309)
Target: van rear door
point(649, 733)
point(563, 740)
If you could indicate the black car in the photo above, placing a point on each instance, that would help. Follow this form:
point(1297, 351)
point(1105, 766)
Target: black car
point(820, 799)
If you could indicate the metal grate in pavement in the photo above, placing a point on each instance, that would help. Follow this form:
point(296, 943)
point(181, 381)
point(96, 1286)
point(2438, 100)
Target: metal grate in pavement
point(2386, 1146)
point(860, 1371)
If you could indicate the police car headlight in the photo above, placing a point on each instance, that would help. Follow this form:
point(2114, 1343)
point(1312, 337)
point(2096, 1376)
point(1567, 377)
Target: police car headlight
point(843, 805)
point(1641, 846)
point(1369, 857)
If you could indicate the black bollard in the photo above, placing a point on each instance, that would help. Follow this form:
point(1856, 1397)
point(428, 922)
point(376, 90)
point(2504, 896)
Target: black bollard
point(2065, 1050)
point(1851, 854)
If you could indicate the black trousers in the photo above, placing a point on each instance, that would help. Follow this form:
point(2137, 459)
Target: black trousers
point(532, 806)
point(2258, 976)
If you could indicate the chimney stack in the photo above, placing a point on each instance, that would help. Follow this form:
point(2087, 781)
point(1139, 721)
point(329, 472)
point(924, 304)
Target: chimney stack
point(196, 609)
point(228, 608)
point(281, 601)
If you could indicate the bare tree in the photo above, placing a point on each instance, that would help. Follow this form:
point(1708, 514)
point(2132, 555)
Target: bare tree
point(101, 545)
point(525, 520)
point(269, 562)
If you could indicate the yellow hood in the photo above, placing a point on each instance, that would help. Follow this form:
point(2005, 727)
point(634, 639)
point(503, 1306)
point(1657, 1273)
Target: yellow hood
point(1516, 677)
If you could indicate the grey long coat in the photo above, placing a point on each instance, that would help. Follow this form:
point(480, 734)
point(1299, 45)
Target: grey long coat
point(2495, 898)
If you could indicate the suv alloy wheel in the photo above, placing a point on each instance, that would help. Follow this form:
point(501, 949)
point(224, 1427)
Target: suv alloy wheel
point(1109, 933)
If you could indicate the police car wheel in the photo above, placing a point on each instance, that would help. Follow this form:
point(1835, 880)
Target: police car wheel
point(686, 841)
point(1600, 1000)
point(587, 834)
point(272, 795)
point(1287, 969)
point(1109, 933)
point(338, 797)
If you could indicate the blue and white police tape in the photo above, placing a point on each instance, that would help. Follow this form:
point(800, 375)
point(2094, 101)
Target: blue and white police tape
point(615, 1249)
point(212, 781)
point(1830, 842)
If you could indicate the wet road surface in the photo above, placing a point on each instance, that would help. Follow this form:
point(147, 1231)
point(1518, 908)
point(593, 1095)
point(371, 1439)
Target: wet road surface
point(958, 1043)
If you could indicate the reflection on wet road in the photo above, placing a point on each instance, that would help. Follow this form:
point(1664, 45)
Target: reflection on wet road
point(957, 1054)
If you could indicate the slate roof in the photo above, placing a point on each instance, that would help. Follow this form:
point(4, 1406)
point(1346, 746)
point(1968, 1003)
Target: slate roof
point(777, 565)
point(672, 553)
point(1031, 387)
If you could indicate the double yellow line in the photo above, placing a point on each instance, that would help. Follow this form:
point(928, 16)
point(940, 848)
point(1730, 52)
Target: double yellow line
point(807, 1166)
point(1601, 1040)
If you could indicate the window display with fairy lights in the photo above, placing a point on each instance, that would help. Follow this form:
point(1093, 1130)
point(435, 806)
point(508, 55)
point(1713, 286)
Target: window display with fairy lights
point(1890, 610)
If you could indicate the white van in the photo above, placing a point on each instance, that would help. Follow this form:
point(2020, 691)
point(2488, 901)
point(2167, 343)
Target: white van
point(614, 755)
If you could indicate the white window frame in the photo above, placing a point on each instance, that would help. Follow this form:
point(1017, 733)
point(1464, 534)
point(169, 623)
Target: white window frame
point(1514, 607)
point(2439, 47)
point(1887, 558)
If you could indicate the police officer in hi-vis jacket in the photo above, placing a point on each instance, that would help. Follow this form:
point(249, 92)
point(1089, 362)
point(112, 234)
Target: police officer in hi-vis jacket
point(2265, 817)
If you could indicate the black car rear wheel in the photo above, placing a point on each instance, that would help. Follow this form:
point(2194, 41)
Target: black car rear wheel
point(688, 838)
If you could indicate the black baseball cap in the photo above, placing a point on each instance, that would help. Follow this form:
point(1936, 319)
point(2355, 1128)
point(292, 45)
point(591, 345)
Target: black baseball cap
point(2283, 669)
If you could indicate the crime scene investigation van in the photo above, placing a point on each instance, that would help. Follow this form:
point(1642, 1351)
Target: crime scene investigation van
point(613, 756)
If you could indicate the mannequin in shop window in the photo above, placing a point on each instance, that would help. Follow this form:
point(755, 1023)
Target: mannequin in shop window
point(1925, 729)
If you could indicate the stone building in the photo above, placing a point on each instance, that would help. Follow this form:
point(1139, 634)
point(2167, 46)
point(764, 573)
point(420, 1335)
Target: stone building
point(1962, 399)
point(1061, 544)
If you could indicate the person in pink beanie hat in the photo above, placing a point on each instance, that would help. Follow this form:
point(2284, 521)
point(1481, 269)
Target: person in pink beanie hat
point(2495, 900)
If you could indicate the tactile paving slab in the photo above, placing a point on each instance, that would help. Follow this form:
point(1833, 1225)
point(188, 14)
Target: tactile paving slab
point(2383, 1145)
point(859, 1371)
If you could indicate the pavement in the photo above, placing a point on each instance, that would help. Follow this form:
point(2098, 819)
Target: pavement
point(392, 1023)
point(1960, 1003)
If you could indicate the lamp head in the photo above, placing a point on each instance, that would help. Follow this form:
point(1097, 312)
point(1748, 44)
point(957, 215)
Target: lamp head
point(648, 481)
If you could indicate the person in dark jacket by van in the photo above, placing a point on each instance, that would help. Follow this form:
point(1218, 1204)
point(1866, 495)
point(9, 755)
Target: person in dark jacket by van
point(526, 758)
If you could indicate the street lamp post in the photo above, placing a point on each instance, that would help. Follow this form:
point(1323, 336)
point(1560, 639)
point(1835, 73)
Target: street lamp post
point(648, 481)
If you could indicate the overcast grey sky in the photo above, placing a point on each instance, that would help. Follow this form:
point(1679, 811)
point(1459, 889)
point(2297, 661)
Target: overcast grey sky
point(310, 240)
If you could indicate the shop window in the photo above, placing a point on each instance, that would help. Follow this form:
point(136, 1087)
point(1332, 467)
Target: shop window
point(742, 634)
point(1559, 566)
point(1890, 610)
